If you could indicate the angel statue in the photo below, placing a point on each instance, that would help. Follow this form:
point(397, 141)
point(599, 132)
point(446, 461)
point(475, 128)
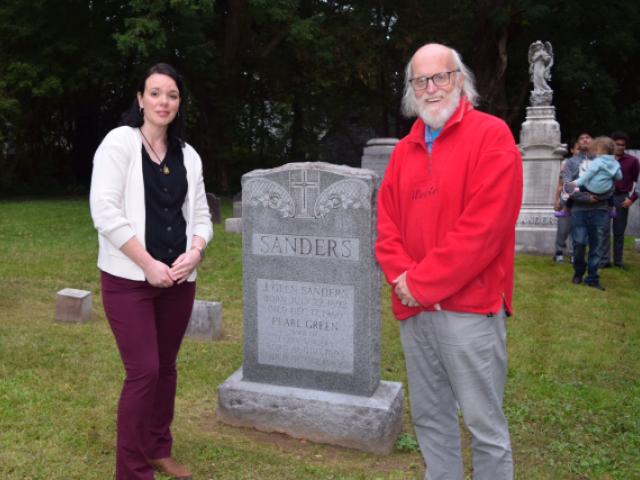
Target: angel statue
point(540, 63)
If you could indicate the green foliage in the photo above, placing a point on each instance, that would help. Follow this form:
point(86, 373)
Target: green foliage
point(407, 443)
point(572, 396)
point(288, 80)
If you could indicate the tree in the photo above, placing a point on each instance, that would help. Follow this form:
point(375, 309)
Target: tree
point(272, 81)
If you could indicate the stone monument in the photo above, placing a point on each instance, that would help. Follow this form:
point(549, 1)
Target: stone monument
point(633, 222)
point(312, 311)
point(376, 155)
point(205, 322)
point(214, 208)
point(542, 154)
point(73, 305)
point(234, 224)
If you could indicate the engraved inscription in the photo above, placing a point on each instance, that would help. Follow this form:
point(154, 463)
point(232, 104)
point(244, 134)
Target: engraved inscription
point(305, 325)
point(303, 198)
point(304, 186)
point(537, 220)
point(344, 194)
point(305, 246)
point(269, 194)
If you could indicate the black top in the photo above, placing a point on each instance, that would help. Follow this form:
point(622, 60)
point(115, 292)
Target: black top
point(164, 195)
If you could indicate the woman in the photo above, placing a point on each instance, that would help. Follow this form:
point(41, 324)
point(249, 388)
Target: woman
point(148, 204)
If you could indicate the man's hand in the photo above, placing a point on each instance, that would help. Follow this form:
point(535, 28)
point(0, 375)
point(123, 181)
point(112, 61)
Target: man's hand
point(402, 291)
point(626, 203)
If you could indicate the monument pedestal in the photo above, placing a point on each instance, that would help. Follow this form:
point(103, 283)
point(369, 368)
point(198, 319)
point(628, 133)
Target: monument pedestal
point(536, 231)
point(370, 424)
point(542, 155)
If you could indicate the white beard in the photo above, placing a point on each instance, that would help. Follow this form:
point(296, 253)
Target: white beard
point(435, 116)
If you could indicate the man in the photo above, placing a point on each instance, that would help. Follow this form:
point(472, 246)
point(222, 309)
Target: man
point(623, 198)
point(580, 148)
point(589, 223)
point(447, 210)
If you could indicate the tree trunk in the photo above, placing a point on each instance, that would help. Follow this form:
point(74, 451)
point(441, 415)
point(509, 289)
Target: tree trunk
point(490, 60)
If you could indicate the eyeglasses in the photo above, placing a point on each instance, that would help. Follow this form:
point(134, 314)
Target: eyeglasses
point(441, 79)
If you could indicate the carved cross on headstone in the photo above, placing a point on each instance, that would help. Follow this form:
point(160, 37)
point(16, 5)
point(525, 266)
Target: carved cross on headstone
point(306, 184)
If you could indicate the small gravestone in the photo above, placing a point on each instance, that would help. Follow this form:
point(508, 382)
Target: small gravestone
point(376, 155)
point(73, 306)
point(214, 208)
point(633, 219)
point(237, 205)
point(237, 209)
point(312, 311)
point(206, 321)
point(233, 225)
point(637, 244)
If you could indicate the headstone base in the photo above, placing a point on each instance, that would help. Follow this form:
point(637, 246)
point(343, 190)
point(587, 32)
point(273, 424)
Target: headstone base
point(536, 240)
point(370, 424)
point(536, 231)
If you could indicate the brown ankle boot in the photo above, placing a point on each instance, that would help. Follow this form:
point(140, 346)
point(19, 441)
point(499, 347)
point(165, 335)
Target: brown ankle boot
point(170, 467)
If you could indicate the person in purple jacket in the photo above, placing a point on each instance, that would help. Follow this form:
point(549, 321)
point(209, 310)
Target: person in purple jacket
point(623, 198)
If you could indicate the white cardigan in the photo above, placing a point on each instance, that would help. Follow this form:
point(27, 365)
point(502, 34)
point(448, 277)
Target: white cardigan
point(117, 200)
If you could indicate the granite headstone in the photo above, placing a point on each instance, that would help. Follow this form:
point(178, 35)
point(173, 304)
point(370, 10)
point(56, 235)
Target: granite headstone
point(206, 321)
point(376, 155)
point(311, 310)
point(237, 205)
point(233, 225)
point(633, 222)
point(214, 208)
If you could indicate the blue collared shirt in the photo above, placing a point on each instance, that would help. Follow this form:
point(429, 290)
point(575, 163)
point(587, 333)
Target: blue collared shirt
point(430, 136)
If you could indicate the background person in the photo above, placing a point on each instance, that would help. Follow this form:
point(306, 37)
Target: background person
point(589, 220)
point(623, 198)
point(447, 211)
point(603, 170)
point(563, 216)
point(148, 204)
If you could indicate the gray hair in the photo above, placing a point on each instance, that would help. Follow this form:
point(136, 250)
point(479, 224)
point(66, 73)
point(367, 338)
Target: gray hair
point(408, 106)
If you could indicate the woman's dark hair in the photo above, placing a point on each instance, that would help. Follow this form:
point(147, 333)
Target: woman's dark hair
point(133, 117)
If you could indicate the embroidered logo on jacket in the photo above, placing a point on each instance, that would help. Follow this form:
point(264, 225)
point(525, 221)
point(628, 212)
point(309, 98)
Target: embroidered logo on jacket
point(424, 192)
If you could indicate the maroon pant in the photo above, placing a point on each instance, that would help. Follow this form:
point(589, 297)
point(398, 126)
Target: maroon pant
point(148, 324)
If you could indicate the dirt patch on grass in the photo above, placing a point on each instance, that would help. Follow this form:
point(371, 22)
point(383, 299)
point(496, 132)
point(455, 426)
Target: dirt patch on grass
point(314, 453)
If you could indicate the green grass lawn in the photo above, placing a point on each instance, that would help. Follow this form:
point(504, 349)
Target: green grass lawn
point(573, 393)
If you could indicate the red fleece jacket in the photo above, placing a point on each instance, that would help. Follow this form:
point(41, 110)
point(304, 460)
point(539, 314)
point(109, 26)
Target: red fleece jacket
point(448, 218)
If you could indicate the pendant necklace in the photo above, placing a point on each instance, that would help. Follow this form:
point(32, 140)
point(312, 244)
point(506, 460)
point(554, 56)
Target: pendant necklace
point(163, 163)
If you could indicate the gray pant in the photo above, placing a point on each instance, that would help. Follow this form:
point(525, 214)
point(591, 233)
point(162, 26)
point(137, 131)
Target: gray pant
point(458, 357)
point(562, 233)
point(619, 224)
